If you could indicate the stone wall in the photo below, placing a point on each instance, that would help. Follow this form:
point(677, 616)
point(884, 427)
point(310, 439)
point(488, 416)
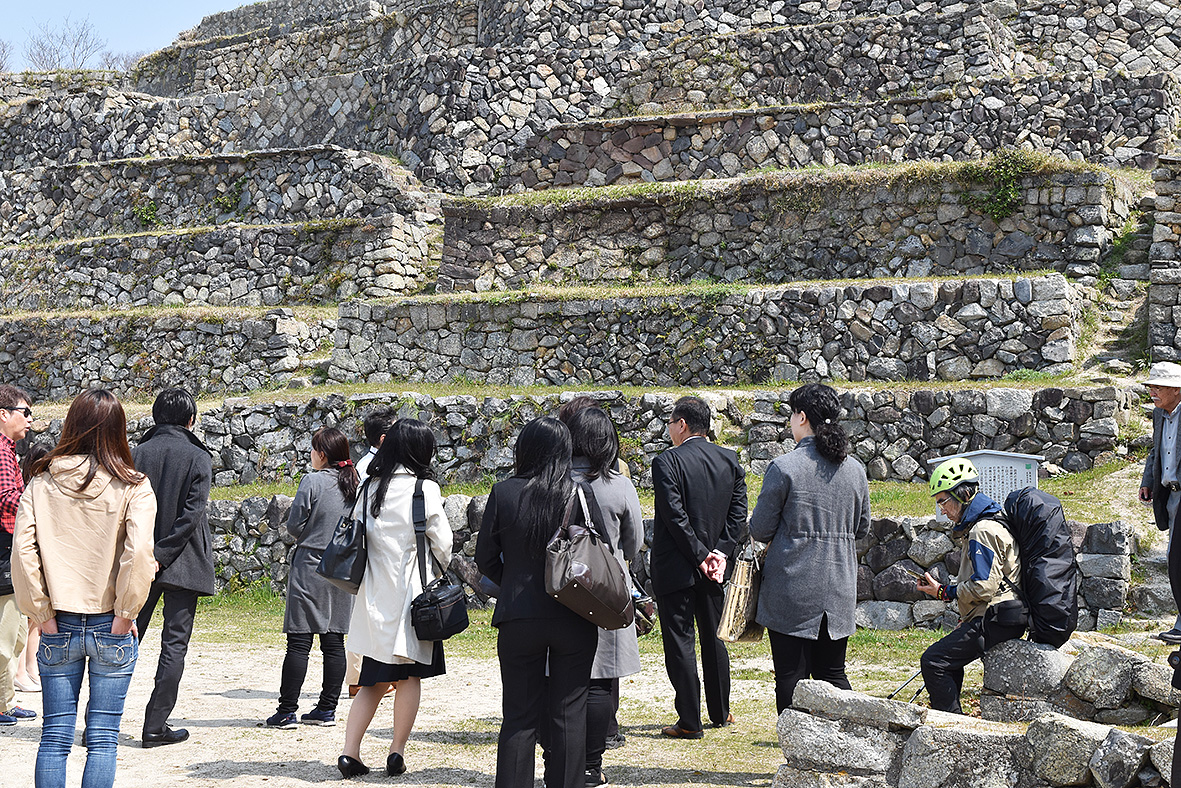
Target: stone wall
point(948, 330)
point(1114, 121)
point(843, 739)
point(57, 356)
point(129, 196)
point(783, 227)
point(282, 15)
point(18, 87)
point(894, 433)
point(1164, 294)
point(276, 56)
point(1130, 36)
point(858, 59)
point(1091, 678)
point(312, 263)
point(887, 597)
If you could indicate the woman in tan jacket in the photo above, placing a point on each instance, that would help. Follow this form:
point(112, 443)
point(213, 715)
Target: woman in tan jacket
point(82, 566)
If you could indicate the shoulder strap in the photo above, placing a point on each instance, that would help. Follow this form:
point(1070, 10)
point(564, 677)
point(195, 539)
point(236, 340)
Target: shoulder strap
point(418, 513)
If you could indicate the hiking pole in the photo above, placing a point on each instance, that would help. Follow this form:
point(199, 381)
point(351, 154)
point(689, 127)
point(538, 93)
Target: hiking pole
point(917, 673)
point(916, 692)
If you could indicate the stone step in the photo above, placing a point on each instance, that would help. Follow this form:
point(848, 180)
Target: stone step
point(895, 431)
point(129, 196)
point(315, 262)
point(277, 55)
point(895, 221)
point(1050, 113)
point(138, 352)
point(715, 335)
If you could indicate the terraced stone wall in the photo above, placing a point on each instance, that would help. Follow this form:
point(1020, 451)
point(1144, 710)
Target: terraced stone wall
point(20, 86)
point(1133, 36)
point(262, 187)
point(858, 59)
point(253, 60)
point(1164, 294)
point(310, 263)
point(283, 15)
point(785, 227)
point(948, 330)
point(57, 356)
point(1114, 121)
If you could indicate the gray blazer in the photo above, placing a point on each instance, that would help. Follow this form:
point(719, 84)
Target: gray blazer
point(314, 604)
point(811, 512)
point(618, 653)
point(1153, 472)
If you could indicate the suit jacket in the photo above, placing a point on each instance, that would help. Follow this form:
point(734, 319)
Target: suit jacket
point(1153, 472)
point(181, 471)
point(700, 507)
point(504, 558)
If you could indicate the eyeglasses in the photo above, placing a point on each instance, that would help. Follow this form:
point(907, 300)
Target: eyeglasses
point(941, 502)
point(26, 412)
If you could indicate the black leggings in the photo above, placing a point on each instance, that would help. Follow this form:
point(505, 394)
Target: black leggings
point(295, 668)
point(796, 659)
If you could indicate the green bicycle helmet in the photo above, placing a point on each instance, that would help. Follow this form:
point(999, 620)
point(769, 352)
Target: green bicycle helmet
point(952, 474)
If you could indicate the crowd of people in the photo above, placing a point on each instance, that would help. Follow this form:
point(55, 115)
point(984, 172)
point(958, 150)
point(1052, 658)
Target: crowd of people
point(101, 534)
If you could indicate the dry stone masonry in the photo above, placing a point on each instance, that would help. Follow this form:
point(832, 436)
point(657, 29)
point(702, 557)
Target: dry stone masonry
point(1164, 297)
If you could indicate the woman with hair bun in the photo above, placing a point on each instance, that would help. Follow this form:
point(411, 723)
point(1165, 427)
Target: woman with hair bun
point(813, 507)
point(315, 606)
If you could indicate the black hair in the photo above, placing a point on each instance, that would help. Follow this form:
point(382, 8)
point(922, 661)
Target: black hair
point(174, 406)
point(567, 411)
point(593, 435)
point(543, 455)
point(410, 443)
point(695, 413)
point(333, 444)
point(821, 405)
point(378, 423)
point(35, 452)
point(964, 492)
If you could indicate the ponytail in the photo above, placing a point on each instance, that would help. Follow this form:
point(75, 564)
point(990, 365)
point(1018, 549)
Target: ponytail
point(822, 407)
point(333, 444)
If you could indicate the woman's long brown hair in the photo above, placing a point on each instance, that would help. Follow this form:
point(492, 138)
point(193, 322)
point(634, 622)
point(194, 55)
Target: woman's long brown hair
point(96, 428)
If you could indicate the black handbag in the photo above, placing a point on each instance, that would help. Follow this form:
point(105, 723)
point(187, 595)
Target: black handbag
point(582, 573)
point(440, 611)
point(343, 560)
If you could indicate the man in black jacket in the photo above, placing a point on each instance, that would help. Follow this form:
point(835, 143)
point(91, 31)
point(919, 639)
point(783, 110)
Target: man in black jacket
point(700, 520)
point(180, 470)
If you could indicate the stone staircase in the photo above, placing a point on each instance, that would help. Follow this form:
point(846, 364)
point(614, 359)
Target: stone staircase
point(364, 193)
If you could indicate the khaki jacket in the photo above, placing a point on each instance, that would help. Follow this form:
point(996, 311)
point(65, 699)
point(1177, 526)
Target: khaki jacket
point(87, 551)
point(989, 555)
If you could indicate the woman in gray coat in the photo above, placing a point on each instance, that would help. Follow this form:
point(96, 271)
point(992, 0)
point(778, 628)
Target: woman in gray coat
point(813, 507)
point(596, 451)
point(315, 606)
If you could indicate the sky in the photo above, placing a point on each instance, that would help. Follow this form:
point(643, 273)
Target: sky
point(126, 25)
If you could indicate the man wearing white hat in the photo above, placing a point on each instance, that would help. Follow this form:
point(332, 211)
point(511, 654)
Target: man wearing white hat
point(1161, 483)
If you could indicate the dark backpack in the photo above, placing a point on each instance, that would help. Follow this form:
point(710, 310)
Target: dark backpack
point(1049, 577)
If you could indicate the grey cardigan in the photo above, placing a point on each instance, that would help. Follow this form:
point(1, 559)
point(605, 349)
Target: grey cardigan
point(314, 604)
point(811, 512)
point(618, 653)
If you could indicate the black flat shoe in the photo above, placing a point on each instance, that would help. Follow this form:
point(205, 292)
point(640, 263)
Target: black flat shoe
point(351, 767)
point(395, 764)
point(169, 736)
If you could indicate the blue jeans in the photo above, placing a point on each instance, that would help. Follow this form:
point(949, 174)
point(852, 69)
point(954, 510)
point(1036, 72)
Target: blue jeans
point(82, 641)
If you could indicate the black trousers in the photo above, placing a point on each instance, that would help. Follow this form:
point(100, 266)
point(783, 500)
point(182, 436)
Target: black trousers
point(1174, 558)
point(530, 702)
point(700, 603)
point(600, 713)
point(944, 660)
point(295, 669)
point(796, 659)
point(180, 607)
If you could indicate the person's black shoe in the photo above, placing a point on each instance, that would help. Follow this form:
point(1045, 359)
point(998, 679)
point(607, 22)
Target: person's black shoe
point(1172, 637)
point(616, 741)
point(169, 736)
point(351, 767)
point(395, 764)
point(595, 778)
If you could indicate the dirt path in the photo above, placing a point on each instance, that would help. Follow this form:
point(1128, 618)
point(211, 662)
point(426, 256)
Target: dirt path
point(227, 691)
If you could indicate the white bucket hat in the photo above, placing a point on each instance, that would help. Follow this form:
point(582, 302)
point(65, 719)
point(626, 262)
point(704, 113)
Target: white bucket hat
point(1165, 373)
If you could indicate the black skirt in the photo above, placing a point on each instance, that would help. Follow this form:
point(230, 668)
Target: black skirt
point(375, 672)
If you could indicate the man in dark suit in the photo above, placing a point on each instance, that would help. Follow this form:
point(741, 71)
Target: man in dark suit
point(1161, 482)
point(700, 520)
point(180, 470)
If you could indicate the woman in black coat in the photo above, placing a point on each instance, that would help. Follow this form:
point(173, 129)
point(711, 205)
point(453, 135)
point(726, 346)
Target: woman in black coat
point(534, 629)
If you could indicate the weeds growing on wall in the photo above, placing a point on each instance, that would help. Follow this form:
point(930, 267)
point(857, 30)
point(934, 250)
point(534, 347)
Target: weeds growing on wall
point(1001, 175)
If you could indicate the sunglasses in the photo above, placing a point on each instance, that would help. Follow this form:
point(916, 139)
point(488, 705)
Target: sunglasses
point(27, 412)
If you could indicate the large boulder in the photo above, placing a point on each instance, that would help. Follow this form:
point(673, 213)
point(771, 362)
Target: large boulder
point(1161, 756)
point(790, 777)
point(884, 615)
point(820, 697)
point(811, 742)
point(1024, 668)
point(1001, 708)
point(1102, 675)
point(1154, 682)
point(1061, 748)
point(970, 756)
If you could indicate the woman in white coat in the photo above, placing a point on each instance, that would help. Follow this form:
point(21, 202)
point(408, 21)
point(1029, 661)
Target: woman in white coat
point(381, 630)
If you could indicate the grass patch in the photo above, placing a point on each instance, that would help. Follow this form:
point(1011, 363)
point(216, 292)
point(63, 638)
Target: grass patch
point(240, 492)
point(900, 499)
point(249, 615)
